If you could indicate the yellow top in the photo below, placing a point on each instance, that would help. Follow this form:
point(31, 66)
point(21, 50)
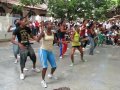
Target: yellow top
point(47, 42)
point(76, 39)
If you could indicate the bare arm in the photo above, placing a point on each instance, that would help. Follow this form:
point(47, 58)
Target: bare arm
point(72, 37)
point(17, 43)
point(40, 36)
point(9, 29)
point(13, 40)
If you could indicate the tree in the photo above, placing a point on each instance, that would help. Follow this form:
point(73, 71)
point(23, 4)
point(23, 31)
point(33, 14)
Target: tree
point(79, 8)
point(75, 8)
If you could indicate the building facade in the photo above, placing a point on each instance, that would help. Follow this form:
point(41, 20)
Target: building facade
point(7, 6)
point(11, 9)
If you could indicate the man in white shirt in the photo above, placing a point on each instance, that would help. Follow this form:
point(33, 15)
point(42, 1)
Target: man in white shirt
point(15, 47)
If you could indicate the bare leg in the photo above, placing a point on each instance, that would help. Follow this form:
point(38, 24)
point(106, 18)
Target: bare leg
point(53, 70)
point(44, 73)
point(81, 53)
point(72, 54)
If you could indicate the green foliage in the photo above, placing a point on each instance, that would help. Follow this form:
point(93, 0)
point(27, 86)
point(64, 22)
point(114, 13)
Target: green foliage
point(80, 8)
point(17, 9)
point(118, 2)
point(76, 8)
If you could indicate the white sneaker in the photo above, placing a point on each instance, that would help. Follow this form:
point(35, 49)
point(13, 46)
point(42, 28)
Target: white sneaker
point(43, 83)
point(18, 56)
point(16, 61)
point(36, 70)
point(25, 69)
point(50, 76)
point(71, 65)
point(22, 76)
point(61, 57)
point(83, 49)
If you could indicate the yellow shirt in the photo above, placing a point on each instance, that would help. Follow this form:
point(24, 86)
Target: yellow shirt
point(76, 39)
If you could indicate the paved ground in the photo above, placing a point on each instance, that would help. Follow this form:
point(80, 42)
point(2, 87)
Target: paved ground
point(100, 72)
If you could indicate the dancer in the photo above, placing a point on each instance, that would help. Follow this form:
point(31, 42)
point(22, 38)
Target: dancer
point(45, 52)
point(91, 35)
point(23, 34)
point(83, 33)
point(75, 38)
point(62, 42)
point(15, 47)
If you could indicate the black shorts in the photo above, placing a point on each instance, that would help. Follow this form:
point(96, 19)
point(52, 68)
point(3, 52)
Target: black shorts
point(76, 47)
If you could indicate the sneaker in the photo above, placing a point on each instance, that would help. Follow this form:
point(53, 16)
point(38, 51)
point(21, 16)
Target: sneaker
point(71, 65)
point(61, 57)
point(25, 69)
point(50, 76)
point(83, 60)
point(36, 70)
point(16, 61)
point(90, 53)
point(83, 49)
point(18, 56)
point(43, 83)
point(22, 76)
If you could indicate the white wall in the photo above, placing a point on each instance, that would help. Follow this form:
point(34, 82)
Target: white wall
point(5, 22)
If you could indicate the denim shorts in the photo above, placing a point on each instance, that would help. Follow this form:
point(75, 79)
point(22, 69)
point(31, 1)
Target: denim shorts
point(47, 56)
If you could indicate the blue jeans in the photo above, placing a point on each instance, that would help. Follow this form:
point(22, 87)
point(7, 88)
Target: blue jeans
point(15, 50)
point(92, 45)
point(60, 45)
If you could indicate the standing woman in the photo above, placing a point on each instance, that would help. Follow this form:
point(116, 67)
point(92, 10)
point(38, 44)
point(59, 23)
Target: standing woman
point(91, 35)
point(75, 39)
point(62, 42)
point(45, 52)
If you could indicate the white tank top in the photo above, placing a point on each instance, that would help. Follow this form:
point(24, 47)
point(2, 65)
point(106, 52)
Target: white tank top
point(47, 42)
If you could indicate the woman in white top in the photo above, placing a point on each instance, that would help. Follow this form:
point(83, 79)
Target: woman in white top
point(45, 52)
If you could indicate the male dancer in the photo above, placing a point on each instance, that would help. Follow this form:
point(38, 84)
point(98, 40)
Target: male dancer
point(23, 34)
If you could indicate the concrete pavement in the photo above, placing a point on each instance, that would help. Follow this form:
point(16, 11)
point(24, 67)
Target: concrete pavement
point(100, 72)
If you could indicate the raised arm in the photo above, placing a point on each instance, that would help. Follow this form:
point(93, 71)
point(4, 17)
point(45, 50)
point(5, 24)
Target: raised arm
point(40, 36)
point(11, 29)
point(72, 37)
